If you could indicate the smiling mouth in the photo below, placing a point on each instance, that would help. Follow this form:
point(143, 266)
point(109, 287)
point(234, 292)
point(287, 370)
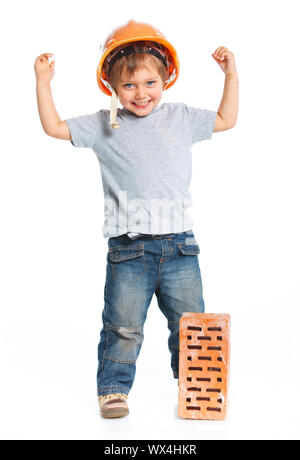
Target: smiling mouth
point(140, 105)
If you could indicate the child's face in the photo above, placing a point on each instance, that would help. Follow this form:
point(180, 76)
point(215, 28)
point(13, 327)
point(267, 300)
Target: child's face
point(145, 86)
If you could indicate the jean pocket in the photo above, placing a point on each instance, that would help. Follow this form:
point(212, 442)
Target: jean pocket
point(189, 250)
point(128, 262)
point(189, 247)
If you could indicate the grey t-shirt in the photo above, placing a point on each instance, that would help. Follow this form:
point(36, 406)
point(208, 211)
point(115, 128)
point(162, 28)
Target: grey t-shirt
point(146, 165)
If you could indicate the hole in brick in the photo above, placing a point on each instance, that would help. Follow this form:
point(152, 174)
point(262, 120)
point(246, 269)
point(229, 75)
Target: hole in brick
point(204, 375)
point(189, 358)
point(194, 389)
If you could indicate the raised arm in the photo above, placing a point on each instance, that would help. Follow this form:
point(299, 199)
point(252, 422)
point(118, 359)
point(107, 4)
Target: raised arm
point(228, 109)
point(51, 122)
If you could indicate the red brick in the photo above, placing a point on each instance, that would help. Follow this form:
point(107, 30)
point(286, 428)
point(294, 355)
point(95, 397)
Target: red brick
point(203, 366)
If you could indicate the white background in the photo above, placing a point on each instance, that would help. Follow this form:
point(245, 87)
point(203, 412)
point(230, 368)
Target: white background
point(245, 190)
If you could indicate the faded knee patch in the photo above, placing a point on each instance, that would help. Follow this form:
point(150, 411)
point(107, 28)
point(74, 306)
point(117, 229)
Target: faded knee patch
point(123, 343)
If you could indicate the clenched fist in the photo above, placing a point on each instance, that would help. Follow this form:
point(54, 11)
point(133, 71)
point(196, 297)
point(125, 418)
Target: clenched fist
point(225, 58)
point(43, 70)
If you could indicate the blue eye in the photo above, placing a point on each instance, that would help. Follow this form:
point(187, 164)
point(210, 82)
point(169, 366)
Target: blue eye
point(127, 85)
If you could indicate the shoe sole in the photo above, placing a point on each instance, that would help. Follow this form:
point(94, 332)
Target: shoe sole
point(115, 413)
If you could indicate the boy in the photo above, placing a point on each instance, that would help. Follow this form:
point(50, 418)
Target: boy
point(145, 159)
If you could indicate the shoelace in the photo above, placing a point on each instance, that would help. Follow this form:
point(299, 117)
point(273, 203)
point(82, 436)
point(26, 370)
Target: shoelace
point(106, 398)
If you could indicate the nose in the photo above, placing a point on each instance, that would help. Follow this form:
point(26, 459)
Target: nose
point(140, 92)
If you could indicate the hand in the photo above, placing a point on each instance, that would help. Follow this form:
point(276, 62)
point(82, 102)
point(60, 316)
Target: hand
point(43, 70)
point(225, 59)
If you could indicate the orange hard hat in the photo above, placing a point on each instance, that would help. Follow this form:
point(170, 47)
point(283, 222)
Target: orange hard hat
point(132, 32)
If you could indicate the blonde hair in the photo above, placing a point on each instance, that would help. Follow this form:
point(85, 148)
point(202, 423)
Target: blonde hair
point(127, 65)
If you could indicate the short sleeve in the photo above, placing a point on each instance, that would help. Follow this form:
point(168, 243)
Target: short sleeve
point(84, 130)
point(202, 123)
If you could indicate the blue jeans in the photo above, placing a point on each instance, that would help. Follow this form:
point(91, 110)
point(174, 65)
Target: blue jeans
point(166, 265)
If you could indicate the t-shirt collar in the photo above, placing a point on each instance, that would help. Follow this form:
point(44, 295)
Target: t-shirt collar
point(156, 108)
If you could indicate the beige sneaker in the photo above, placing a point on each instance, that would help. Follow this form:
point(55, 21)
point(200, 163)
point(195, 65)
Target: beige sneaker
point(113, 405)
